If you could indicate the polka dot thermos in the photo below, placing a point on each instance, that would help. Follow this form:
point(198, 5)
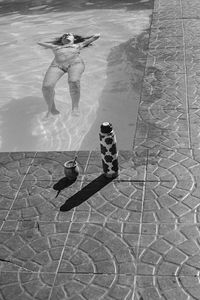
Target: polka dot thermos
point(109, 153)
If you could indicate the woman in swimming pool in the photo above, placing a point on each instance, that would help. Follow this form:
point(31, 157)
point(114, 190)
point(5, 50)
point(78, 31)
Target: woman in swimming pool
point(67, 60)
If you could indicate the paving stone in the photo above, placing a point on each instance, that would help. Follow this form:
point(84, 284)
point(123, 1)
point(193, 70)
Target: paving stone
point(169, 12)
point(193, 96)
point(157, 64)
point(170, 142)
point(191, 10)
point(160, 41)
point(166, 28)
point(170, 287)
point(93, 286)
point(163, 85)
point(16, 162)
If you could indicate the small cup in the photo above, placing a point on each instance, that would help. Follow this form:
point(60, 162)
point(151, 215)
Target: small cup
point(71, 169)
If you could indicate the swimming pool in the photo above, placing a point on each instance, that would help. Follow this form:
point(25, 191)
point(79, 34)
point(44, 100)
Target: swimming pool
point(110, 85)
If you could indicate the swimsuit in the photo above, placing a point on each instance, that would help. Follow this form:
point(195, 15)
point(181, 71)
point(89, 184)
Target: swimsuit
point(65, 68)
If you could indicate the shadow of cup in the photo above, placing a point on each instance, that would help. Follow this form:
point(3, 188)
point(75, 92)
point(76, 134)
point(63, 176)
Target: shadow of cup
point(62, 184)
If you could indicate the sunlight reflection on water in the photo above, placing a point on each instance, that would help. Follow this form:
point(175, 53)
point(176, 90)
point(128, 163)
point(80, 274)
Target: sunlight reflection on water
point(24, 63)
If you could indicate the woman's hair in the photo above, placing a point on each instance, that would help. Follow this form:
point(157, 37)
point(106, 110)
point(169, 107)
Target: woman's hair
point(77, 39)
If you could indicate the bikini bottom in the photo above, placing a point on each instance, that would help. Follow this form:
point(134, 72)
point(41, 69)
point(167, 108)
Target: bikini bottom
point(65, 68)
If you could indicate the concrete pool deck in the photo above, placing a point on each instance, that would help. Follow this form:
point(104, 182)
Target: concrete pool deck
point(136, 237)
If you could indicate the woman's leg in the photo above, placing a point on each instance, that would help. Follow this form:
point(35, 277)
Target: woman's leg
point(74, 75)
point(52, 75)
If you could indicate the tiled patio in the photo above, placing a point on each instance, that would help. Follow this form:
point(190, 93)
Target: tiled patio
point(135, 235)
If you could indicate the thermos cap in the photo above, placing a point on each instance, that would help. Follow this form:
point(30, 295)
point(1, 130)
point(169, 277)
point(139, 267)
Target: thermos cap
point(106, 127)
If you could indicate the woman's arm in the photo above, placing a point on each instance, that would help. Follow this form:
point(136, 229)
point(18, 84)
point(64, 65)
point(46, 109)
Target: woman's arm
point(47, 45)
point(89, 40)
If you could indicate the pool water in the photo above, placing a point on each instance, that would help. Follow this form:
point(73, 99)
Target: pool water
point(110, 85)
